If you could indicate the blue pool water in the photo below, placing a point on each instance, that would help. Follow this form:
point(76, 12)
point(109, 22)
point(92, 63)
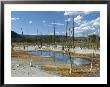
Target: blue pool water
point(60, 57)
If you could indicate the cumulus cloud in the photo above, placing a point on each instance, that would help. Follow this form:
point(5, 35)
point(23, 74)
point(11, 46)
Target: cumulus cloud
point(15, 18)
point(96, 24)
point(78, 19)
point(60, 24)
point(30, 22)
point(89, 27)
point(77, 30)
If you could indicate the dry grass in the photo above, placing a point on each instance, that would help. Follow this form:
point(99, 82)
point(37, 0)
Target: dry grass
point(65, 72)
point(26, 55)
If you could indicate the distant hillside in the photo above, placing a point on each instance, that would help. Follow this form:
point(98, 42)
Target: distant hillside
point(15, 35)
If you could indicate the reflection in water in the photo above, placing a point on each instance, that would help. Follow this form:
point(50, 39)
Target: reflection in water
point(60, 57)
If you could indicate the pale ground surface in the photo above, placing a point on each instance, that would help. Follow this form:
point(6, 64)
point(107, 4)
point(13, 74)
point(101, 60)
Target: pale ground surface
point(22, 69)
point(59, 48)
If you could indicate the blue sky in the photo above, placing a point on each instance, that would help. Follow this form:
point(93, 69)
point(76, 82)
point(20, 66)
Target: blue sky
point(42, 21)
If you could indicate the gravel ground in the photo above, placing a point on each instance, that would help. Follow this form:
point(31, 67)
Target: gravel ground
point(22, 69)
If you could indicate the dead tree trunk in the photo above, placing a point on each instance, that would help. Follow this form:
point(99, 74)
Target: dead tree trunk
point(73, 33)
point(70, 63)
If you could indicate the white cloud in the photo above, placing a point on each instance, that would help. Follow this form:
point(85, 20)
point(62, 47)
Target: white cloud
point(92, 33)
point(77, 30)
point(12, 18)
point(89, 27)
point(57, 33)
point(15, 18)
point(78, 35)
point(69, 19)
point(43, 21)
point(60, 24)
point(96, 23)
point(50, 33)
point(44, 34)
point(31, 33)
point(63, 32)
point(72, 12)
point(88, 12)
point(78, 19)
point(77, 12)
point(30, 22)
